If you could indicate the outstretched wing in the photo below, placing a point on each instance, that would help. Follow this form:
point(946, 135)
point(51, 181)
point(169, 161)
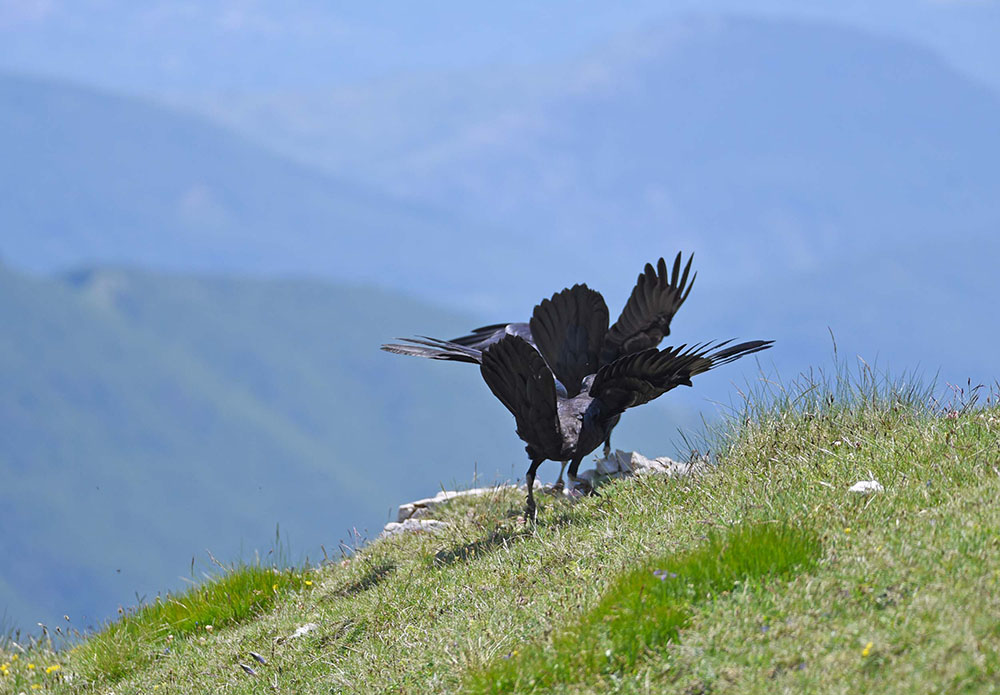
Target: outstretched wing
point(569, 330)
point(645, 320)
point(517, 375)
point(481, 338)
point(640, 377)
point(434, 349)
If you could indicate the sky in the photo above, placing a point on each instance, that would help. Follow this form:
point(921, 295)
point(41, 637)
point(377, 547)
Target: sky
point(246, 45)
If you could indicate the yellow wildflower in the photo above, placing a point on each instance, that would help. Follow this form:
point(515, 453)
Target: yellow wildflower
point(274, 587)
point(309, 582)
point(15, 657)
point(36, 686)
point(31, 667)
point(868, 649)
point(53, 668)
point(847, 530)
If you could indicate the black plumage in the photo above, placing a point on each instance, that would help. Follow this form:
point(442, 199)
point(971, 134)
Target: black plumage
point(564, 427)
point(643, 323)
point(567, 377)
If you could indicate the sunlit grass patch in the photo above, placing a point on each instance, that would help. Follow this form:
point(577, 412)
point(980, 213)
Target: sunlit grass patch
point(646, 608)
point(143, 634)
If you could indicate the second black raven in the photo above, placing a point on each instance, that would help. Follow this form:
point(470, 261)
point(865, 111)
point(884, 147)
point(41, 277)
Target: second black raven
point(569, 330)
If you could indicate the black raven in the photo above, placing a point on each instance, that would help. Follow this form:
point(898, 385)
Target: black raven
point(645, 320)
point(569, 331)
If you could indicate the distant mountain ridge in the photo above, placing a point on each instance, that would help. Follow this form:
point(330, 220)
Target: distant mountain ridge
point(763, 145)
point(94, 177)
point(826, 178)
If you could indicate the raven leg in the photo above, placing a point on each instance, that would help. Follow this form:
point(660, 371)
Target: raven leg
point(529, 511)
point(559, 483)
point(574, 466)
point(607, 446)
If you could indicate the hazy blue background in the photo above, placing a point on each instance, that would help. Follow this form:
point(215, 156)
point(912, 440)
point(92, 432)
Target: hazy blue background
point(212, 213)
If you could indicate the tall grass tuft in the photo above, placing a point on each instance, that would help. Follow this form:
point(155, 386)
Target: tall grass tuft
point(141, 634)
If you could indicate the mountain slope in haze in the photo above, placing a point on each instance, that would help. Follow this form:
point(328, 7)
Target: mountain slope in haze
point(146, 417)
point(93, 177)
point(825, 178)
point(768, 145)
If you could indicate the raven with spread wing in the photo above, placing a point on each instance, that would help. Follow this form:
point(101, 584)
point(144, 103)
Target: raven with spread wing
point(567, 378)
point(570, 332)
point(645, 321)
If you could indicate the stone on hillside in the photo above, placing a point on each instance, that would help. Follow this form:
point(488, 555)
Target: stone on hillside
point(622, 464)
point(413, 526)
point(303, 631)
point(419, 507)
point(866, 487)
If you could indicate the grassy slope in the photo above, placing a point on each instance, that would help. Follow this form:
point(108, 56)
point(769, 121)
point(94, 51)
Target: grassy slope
point(245, 402)
point(900, 598)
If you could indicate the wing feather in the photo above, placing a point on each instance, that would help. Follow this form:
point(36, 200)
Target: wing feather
point(645, 320)
point(569, 330)
point(434, 349)
point(481, 338)
point(518, 376)
point(642, 376)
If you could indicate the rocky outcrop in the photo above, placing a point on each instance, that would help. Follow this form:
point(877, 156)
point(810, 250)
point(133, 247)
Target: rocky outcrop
point(621, 464)
point(392, 528)
point(624, 464)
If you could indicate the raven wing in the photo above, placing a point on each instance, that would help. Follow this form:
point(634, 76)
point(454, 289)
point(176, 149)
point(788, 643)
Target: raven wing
point(569, 330)
point(435, 349)
point(642, 376)
point(518, 377)
point(481, 338)
point(645, 320)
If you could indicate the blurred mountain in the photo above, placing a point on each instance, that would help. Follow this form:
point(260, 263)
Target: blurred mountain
point(768, 146)
point(825, 177)
point(145, 418)
point(89, 176)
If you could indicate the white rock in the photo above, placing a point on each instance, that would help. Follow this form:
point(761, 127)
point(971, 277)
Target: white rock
point(622, 464)
point(612, 464)
point(412, 525)
point(304, 630)
point(866, 487)
point(409, 509)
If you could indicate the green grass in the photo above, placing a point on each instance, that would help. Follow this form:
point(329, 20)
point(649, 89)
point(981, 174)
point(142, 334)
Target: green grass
point(890, 593)
point(147, 633)
point(643, 612)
